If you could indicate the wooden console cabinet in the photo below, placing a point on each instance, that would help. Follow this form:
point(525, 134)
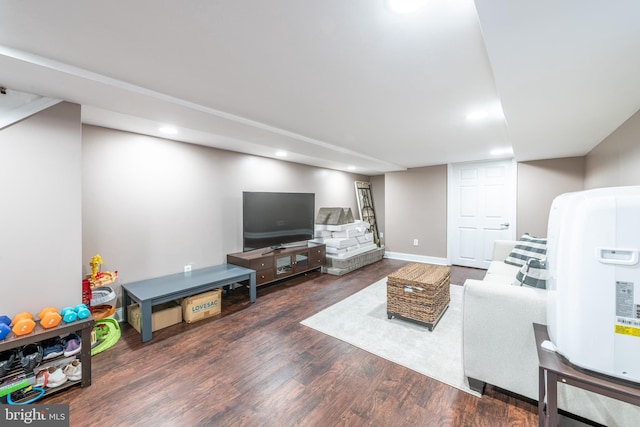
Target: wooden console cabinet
point(295, 259)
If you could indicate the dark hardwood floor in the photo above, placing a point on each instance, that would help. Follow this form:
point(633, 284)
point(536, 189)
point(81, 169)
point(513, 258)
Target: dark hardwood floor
point(255, 365)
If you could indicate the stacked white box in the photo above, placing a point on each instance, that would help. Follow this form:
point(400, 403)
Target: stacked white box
point(348, 246)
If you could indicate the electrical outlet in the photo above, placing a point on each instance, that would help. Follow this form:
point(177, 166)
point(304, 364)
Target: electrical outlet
point(381, 234)
point(187, 268)
point(415, 242)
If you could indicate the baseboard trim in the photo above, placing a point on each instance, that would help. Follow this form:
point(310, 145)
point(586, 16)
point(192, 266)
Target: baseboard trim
point(417, 258)
point(118, 315)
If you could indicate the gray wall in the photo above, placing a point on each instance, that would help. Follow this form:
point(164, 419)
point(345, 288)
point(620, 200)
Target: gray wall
point(539, 182)
point(151, 206)
point(416, 203)
point(416, 208)
point(40, 218)
point(616, 160)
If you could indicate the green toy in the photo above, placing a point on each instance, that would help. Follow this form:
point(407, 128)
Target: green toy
point(107, 335)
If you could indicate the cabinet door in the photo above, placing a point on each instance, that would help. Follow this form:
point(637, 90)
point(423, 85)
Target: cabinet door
point(317, 256)
point(301, 261)
point(284, 265)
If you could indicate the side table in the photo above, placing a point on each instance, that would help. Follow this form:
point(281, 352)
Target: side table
point(557, 368)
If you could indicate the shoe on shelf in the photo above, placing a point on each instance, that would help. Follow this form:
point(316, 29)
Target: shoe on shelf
point(56, 377)
point(72, 345)
point(52, 348)
point(73, 371)
point(7, 358)
point(30, 356)
point(42, 378)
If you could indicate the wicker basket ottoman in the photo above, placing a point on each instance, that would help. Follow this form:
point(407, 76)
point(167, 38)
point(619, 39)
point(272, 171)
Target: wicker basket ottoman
point(419, 292)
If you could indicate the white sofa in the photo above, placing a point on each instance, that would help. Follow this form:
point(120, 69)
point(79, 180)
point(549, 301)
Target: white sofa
point(499, 345)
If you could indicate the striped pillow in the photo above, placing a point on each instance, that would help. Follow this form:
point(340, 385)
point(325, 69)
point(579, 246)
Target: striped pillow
point(527, 247)
point(533, 274)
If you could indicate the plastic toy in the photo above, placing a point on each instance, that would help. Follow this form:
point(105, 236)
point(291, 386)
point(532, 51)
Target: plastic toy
point(103, 278)
point(87, 294)
point(95, 263)
point(34, 393)
point(107, 335)
point(103, 311)
point(98, 278)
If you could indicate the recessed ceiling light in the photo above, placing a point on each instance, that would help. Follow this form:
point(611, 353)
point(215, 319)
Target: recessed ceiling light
point(501, 151)
point(406, 6)
point(170, 130)
point(478, 115)
point(493, 112)
point(351, 168)
point(281, 153)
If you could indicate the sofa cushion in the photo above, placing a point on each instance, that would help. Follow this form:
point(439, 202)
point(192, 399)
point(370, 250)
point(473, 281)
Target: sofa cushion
point(533, 273)
point(500, 269)
point(527, 247)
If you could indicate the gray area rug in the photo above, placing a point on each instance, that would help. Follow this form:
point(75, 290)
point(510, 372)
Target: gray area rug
point(361, 320)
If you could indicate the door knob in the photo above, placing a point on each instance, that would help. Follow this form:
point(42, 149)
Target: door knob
point(504, 225)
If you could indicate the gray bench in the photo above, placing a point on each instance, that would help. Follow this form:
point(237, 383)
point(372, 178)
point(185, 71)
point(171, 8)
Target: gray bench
point(150, 292)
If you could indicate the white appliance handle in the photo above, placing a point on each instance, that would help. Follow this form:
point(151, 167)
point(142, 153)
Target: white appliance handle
point(617, 256)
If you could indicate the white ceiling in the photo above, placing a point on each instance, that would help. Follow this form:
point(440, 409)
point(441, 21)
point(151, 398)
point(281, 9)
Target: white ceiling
point(337, 83)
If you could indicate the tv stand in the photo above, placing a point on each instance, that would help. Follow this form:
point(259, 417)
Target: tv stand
point(271, 249)
point(281, 261)
point(279, 247)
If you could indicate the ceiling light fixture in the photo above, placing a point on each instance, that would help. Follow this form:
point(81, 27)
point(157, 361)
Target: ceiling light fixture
point(501, 151)
point(406, 6)
point(281, 153)
point(478, 115)
point(351, 168)
point(169, 130)
point(493, 112)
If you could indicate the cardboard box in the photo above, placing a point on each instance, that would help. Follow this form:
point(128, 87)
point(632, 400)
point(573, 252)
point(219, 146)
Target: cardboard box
point(162, 315)
point(201, 306)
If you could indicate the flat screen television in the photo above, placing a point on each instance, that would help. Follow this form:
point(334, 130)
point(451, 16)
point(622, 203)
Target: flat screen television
point(276, 220)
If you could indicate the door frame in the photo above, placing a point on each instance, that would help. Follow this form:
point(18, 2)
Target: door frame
point(451, 192)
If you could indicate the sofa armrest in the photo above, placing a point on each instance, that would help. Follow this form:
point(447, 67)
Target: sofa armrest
point(499, 348)
point(502, 249)
point(498, 339)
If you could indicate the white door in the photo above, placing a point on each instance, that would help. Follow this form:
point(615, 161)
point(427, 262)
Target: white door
point(482, 207)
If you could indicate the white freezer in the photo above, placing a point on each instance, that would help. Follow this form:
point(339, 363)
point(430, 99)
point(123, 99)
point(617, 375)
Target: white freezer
point(593, 311)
